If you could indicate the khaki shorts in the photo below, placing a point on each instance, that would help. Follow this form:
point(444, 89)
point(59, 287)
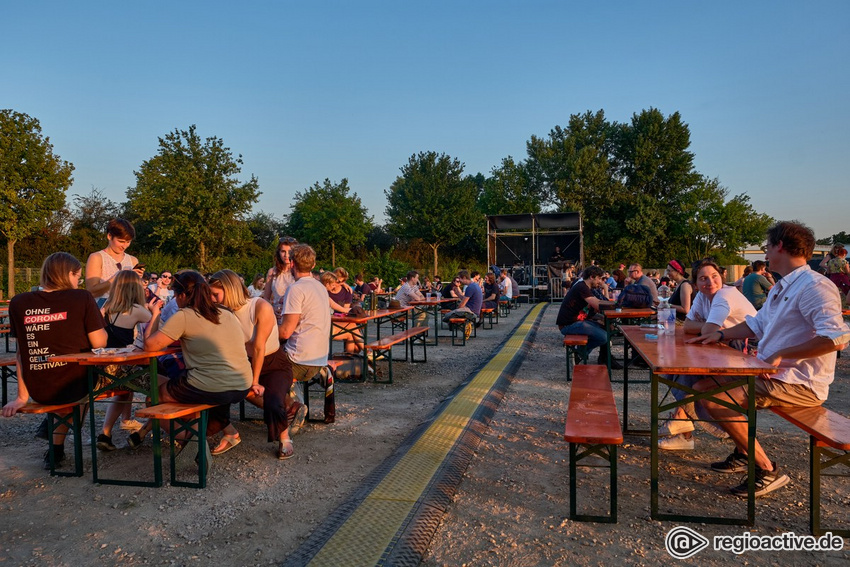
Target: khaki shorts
point(778, 393)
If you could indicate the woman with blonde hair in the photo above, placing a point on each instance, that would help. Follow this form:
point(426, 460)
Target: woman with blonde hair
point(270, 386)
point(124, 312)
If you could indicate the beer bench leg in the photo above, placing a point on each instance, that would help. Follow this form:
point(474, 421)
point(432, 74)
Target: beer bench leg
point(607, 451)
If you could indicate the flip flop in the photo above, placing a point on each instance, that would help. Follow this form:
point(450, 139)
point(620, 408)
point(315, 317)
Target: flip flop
point(285, 450)
point(227, 443)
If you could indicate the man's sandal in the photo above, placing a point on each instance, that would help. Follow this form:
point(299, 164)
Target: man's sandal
point(227, 443)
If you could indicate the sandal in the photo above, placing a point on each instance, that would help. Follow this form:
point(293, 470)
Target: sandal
point(285, 450)
point(227, 443)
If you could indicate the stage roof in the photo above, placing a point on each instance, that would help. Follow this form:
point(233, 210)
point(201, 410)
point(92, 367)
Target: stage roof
point(546, 221)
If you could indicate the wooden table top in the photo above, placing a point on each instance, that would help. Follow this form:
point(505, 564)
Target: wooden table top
point(92, 359)
point(370, 315)
point(671, 355)
point(432, 301)
point(628, 313)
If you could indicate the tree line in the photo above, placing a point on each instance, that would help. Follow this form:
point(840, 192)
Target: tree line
point(634, 184)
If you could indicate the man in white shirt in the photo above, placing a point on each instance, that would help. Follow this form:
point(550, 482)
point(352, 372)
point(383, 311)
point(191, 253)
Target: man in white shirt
point(505, 287)
point(800, 328)
point(409, 291)
point(305, 325)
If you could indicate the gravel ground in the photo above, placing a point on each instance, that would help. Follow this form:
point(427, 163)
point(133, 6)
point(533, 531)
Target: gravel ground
point(513, 504)
point(511, 507)
point(255, 508)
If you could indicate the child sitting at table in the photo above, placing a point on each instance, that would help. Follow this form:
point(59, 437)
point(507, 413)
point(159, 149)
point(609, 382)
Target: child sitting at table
point(123, 312)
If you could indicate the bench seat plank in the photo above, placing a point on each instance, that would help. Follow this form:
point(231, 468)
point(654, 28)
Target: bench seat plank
point(171, 410)
point(592, 412)
point(828, 427)
point(388, 342)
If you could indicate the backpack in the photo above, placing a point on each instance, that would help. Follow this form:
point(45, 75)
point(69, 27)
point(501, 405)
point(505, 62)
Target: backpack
point(635, 296)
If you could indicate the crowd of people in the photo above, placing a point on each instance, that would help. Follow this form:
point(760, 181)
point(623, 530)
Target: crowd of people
point(238, 343)
point(781, 310)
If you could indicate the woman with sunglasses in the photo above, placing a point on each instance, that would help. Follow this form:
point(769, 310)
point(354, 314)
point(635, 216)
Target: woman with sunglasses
point(279, 277)
point(270, 386)
point(217, 370)
point(102, 265)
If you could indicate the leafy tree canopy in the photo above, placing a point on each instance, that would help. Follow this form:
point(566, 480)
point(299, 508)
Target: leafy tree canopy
point(33, 180)
point(189, 197)
point(328, 214)
point(432, 200)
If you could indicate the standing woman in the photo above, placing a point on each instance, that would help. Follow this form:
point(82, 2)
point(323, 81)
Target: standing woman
point(280, 276)
point(270, 386)
point(837, 269)
point(684, 293)
point(217, 370)
point(102, 265)
point(59, 319)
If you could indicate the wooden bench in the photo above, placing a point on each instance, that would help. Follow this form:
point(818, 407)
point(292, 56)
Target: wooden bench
point(6, 329)
point(458, 328)
point(70, 415)
point(593, 428)
point(8, 370)
point(196, 426)
point(827, 431)
point(382, 349)
point(574, 345)
point(491, 314)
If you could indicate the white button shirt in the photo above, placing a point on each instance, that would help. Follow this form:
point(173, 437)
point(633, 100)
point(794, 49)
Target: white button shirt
point(801, 306)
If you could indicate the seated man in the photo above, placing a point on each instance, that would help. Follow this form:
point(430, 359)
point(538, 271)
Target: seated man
point(409, 291)
point(573, 317)
point(799, 328)
point(306, 326)
point(756, 285)
point(505, 287)
point(470, 305)
point(638, 277)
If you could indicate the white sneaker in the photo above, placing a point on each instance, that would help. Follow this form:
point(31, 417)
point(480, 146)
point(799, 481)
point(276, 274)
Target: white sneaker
point(671, 426)
point(676, 443)
point(131, 425)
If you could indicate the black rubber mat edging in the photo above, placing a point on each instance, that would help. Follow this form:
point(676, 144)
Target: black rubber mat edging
point(414, 536)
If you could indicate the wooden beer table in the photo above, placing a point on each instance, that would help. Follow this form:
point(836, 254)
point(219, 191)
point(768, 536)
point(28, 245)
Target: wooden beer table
point(668, 356)
point(358, 327)
point(96, 364)
point(431, 307)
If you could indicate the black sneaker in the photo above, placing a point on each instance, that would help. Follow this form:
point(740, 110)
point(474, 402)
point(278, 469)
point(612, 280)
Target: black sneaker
point(734, 463)
point(104, 442)
point(59, 456)
point(41, 432)
point(134, 440)
point(766, 481)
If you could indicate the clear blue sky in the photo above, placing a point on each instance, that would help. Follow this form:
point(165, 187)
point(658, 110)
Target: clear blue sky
point(313, 90)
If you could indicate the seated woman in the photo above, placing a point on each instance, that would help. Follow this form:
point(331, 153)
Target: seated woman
point(257, 286)
point(123, 311)
point(70, 323)
point(684, 292)
point(217, 370)
point(715, 307)
point(339, 300)
point(270, 387)
point(491, 291)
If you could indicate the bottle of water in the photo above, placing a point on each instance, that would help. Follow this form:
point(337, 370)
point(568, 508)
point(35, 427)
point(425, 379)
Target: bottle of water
point(666, 312)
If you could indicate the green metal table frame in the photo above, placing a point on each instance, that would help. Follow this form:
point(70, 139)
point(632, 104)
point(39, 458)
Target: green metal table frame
point(715, 394)
point(125, 383)
point(607, 452)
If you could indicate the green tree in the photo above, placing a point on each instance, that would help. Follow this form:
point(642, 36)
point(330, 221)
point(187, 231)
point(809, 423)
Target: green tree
point(89, 218)
point(840, 238)
point(432, 200)
point(330, 218)
point(189, 197)
point(706, 223)
point(507, 191)
point(33, 181)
